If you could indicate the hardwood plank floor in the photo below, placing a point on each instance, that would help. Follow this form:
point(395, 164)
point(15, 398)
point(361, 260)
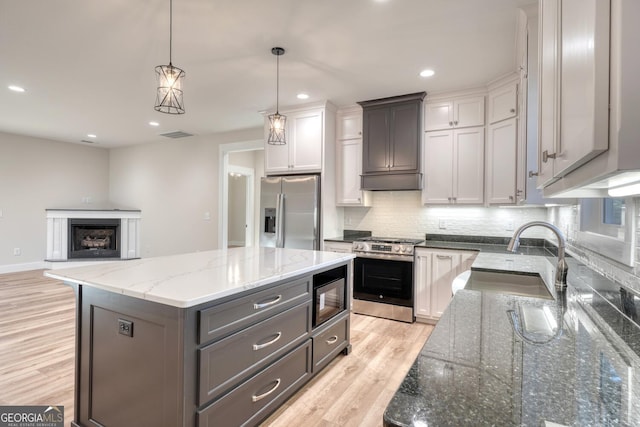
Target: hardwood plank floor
point(37, 338)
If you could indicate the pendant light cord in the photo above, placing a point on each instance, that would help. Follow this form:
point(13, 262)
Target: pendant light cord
point(170, 28)
point(277, 82)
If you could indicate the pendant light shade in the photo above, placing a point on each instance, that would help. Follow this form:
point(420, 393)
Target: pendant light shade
point(169, 80)
point(277, 122)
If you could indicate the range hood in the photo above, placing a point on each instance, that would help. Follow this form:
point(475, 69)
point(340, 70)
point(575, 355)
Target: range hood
point(391, 144)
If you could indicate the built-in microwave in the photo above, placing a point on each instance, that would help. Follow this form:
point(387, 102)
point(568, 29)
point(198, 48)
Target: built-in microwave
point(329, 298)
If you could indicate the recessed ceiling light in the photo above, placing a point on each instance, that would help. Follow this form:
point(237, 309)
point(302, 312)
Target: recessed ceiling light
point(90, 135)
point(427, 73)
point(154, 124)
point(303, 96)
point(16, 88)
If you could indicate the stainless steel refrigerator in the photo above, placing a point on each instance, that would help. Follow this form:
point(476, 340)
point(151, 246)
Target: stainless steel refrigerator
point(290, 212)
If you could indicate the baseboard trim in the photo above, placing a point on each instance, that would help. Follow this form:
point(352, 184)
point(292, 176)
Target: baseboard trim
point(15, 268)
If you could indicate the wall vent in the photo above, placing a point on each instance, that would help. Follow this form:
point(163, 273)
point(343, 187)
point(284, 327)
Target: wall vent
point(176, 134)
point(87, 141)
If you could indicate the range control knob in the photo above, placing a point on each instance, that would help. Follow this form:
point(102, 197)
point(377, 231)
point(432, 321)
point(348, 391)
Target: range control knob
point(396, 248)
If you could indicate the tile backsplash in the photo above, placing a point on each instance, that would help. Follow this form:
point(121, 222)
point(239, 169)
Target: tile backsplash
point(401, 214)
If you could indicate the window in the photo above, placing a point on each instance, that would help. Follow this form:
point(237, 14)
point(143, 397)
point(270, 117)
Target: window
point(607, 227)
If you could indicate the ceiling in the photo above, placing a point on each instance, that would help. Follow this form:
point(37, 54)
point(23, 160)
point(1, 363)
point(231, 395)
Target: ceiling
point(88, 66)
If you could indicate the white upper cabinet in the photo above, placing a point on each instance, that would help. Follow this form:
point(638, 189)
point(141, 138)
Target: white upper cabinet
point(454, 167)
point(502, 141)
point(454, 113)
point(503, 103)
point(349, 158)
point(574, 85)
point(304, 148)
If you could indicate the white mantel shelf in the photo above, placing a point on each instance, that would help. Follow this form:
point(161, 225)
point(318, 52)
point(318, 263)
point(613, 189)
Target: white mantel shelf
point(190, 279)
point(58, 229)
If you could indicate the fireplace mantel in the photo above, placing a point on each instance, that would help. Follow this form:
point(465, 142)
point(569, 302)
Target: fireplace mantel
point(58, 230)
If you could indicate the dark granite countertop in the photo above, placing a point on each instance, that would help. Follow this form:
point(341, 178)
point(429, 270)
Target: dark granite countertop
point(348, 236)
point(476, 370)
point(528, 246)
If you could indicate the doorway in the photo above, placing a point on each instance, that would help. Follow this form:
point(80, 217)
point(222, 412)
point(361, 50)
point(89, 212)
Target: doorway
point(229, 155)
point(240, 206)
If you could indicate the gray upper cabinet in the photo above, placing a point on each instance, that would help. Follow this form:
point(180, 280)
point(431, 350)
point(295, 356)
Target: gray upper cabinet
point(392, 129)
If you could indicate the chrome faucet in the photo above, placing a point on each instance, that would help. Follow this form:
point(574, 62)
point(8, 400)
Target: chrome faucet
point(562, 267)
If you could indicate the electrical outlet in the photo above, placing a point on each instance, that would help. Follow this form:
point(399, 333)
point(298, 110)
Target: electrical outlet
point(347, 220)
point(207, 216)
point(442, 224)
point(0, 213)
point(17, 252)
point(125, 327)
point(510, 225)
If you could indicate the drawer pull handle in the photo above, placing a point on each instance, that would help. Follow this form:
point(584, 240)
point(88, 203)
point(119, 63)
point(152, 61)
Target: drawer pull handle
point(267, 344)
point(332, 340)
point(265, 394)
point(259, 305)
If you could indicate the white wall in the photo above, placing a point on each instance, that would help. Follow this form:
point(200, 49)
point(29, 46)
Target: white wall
point(253, 159)
point(36, 174)
point(401, 214)
point(237, 210)
point(174, 183)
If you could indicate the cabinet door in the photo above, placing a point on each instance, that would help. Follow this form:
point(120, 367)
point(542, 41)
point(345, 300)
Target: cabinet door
point(349, 125)
point(348, 171)
point(503, 103)
point(306, 141)
point(443, 270)
point(340, 247)
point(276, 157)
point(422, 281)
point(438, 115)
point(468, 177)
point(375, 155)
point(548, 91)
point(468, 112)
point(438, 167)
point(502, 162)
point(404, 144)
point(584, 82)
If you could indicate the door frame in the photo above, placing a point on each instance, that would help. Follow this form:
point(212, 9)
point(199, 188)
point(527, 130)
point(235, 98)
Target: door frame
point(223, 183)
point(249, 191)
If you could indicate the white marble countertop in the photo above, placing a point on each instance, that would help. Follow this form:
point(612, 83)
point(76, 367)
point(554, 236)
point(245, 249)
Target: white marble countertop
point(190, 279)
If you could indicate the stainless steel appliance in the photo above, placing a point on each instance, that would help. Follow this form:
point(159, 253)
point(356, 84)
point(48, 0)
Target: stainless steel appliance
point(383, 277)
point(290, 212)
point(329, 294)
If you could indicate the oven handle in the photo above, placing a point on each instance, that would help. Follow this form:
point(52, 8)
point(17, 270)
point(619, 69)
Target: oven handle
point(402, 258)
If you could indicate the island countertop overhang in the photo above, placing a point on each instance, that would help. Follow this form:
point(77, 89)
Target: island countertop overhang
point(186, 280)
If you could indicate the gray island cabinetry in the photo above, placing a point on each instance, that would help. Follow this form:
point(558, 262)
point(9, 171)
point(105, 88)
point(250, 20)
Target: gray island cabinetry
point(210, 338)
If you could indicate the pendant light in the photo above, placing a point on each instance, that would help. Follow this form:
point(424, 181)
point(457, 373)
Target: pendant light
point(170, 80)
point(277, 122)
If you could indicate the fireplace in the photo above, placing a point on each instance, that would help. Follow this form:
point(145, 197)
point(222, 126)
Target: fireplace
point(93, 234)
point(93, 238)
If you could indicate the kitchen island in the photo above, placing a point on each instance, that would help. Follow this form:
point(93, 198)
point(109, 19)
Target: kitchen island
point(483, 366)
point(219, 337)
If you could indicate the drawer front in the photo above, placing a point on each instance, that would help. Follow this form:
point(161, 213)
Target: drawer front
point(240, 355)
point(227, 318)
point(329, 342)
point(256, 398)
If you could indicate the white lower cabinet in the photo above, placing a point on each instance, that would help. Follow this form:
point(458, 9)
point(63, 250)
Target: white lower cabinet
point(434, 270)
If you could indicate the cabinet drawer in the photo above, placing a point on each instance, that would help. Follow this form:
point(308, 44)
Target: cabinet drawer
point(256, 398)
point(329, 342)
point(234, 358)
point(227, 318)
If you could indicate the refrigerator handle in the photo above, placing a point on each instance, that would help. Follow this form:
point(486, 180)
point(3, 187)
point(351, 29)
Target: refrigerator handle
point(280, 221)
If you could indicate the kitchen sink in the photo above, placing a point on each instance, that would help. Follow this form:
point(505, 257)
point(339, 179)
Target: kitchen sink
point(507, 282)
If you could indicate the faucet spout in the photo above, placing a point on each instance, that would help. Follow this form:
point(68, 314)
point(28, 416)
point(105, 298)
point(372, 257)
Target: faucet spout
point(562, 267)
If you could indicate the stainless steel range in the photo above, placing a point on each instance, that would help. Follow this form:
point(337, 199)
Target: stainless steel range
point(383, 277)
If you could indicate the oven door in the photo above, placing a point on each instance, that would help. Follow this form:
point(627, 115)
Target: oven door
point(385, 280)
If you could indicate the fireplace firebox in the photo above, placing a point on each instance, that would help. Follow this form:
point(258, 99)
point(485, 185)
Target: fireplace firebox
point(94, 238)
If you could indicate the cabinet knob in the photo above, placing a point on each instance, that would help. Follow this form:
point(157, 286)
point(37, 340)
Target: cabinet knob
point(511, 198)
point(546, 156)
point(532, 174)
point(513, 110)
point(450, 123)
point(359, 133)
point(455, 122)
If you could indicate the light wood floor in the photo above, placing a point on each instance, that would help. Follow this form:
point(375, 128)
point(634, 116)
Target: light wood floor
point(37, 319)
